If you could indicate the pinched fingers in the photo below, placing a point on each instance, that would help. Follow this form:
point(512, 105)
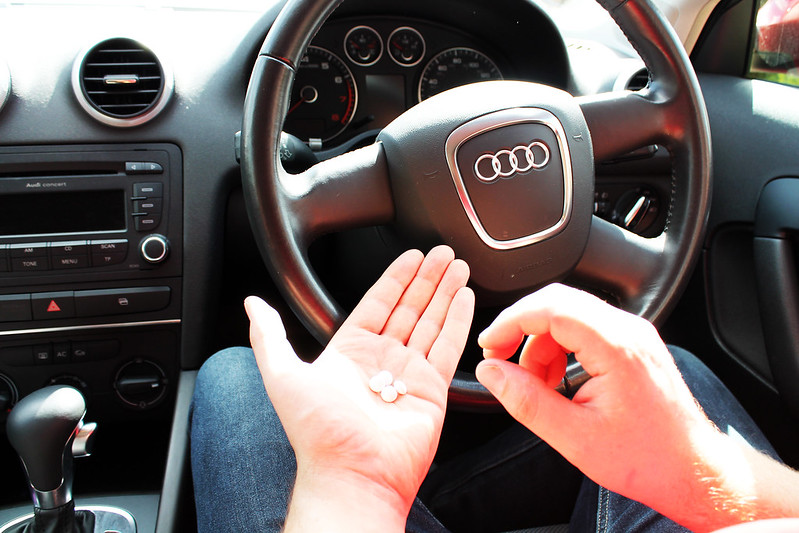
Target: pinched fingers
point(544, 357)
point(576, 321)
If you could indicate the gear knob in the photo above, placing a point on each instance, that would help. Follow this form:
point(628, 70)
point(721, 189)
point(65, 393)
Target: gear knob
point(42, 428)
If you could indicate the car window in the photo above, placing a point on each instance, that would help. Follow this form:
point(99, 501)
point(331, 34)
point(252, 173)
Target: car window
point(776, 42)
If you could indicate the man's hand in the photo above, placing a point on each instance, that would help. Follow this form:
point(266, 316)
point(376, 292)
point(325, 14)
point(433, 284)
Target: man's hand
point(357, 455)
point(634, 427)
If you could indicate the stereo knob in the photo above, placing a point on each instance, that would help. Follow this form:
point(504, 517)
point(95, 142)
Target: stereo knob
point(154, 248)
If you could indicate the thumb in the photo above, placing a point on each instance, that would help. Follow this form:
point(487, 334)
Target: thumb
point(273, 352)
point(530, 401)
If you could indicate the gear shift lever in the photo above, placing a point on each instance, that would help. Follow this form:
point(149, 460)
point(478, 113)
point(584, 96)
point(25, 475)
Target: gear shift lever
point(42, 428)
point(46, 429)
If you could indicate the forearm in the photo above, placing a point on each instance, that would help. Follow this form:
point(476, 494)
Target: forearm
point(731, 483)
point(332, 503)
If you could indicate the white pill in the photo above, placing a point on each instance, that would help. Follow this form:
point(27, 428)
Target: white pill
point(376, 384)
point(389, 394)
point(400, 386)
point(380, 381)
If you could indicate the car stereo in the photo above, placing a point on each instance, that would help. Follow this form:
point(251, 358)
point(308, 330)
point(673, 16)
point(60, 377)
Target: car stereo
point(84, 213)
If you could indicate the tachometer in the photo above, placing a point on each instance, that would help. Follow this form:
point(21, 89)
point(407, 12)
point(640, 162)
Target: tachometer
point(456, 67)
point(323, 98)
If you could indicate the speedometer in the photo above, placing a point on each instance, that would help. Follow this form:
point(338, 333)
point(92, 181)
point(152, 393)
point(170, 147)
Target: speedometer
point(323, 98)
point(456, 67)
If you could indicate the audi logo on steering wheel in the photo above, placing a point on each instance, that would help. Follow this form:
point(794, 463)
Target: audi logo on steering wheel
point(505, 163)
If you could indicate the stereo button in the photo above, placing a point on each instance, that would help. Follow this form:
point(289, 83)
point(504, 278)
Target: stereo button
point(29, 264)
point(149, 206)
point(62, 352)
point(15, 307)
point(120, 301)
point(143, 167)
point(36, 249)
point(148, 222)
point(107, 259)
point(117, 246)
point(47, 305)
point(61, 249)
point(148, 190)
point(70, 261)
point(43, 354)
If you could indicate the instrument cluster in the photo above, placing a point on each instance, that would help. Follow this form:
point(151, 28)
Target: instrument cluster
point(358, 75)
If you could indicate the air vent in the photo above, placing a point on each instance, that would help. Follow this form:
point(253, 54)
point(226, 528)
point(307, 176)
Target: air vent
point(120, 82)
point(638, 81)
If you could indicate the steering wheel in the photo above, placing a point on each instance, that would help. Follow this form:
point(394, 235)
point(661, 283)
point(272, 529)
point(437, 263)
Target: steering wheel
point(501, 171)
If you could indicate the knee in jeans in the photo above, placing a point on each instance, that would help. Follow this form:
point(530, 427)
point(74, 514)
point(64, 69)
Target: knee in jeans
point(226, 375)
point(226, 364)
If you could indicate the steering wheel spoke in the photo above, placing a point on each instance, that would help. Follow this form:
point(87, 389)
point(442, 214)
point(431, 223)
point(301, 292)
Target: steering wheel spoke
point(348, 191)
point(619, 262)
point(621, 122)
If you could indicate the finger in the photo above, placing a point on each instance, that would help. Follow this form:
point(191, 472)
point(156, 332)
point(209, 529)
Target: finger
point(576, 320)
point(273, 352)
point(503, 337)
point(448, 346)
point(375, 308)
point(419, 293)
point(534, 404)
point(429, 325)
point(543, 356)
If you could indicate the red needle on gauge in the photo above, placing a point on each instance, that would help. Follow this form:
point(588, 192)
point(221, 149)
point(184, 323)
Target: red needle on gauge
point(307, 94)
point(295, 106)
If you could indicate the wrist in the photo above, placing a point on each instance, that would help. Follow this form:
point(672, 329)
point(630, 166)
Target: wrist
point(347, 501)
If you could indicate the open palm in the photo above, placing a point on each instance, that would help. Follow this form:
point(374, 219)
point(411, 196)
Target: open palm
point(413, 323)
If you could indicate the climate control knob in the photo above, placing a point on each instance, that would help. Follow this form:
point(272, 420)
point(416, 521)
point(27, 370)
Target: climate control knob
point(8, 396)
point(154, 248)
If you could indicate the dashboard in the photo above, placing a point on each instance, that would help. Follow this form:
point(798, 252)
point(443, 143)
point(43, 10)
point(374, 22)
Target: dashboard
point(362, 72)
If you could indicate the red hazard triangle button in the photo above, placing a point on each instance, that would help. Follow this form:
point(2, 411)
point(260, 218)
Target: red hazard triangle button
point(53, 305)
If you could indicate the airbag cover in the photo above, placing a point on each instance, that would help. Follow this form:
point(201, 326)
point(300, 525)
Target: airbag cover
point(518, 230)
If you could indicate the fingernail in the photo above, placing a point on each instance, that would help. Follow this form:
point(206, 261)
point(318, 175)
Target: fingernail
point(490, 375)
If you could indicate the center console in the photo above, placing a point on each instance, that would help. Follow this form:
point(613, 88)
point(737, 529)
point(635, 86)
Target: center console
point(91, 276)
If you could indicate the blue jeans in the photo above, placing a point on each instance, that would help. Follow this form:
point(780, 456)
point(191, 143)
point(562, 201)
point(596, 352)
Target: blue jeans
point(244, 467)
